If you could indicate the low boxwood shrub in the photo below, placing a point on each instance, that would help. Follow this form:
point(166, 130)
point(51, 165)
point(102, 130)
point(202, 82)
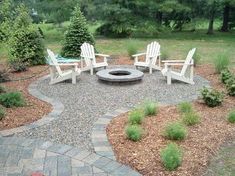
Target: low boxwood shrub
point(221, 62)
point(212, 97)
point(134, 132)
point(225, 75)
point(175, 131)
point(191, 118)
point(185, 107)
point(2, 113)
point(171, 156)
point(230, 86)
point(231, 117)
point(150, 108)
point(136, 116)
point(12, 99)
point(2, 89)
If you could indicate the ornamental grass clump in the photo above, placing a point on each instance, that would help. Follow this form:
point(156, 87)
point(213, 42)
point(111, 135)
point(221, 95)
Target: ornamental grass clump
point(185, 107)
point(171, 156)
point(134, 132)
point(150, 108)
point(131, 48)
point(191, 118)
point(212, 97)
point(221, 62)
point(175, 131)
point(231, 117)
point(12, 99)
point(136, 116)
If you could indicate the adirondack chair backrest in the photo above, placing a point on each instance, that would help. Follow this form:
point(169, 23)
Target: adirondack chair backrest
point(153, 51)
point(88, 53)
point(188, 60)
point(53, 60)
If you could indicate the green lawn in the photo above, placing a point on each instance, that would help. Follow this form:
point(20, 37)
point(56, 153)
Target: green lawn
point(175, 44)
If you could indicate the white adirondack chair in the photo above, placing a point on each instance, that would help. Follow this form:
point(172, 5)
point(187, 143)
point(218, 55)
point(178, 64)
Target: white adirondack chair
point(186, 73)
point(89, 56)
point(151, 56)
point(56, 73)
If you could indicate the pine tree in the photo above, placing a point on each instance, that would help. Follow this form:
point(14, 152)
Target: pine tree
point(76, 35)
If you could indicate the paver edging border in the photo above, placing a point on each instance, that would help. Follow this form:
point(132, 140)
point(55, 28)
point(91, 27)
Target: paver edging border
point(99, 137)
point(57, 109)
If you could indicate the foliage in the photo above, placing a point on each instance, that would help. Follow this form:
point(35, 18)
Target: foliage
point(164, 55)
point(76, 34)
point(212, 97)
point(131, 48)
point(2, 113)
point(231, 117)
point(191, 118)
point(12, 99)
point(150, 108)
point(185, 107)
point(175, 131)
point(196, 59)
point(134, 132)
point(26, 48)
point(225, 75)
point(171, 156)
point(230, 86)
point(221, 62)
point(136, 116)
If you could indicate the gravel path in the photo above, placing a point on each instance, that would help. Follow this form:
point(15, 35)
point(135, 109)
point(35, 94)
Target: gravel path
point(89, 99)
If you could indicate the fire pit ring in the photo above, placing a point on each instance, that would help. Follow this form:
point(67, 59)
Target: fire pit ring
point(120, 75)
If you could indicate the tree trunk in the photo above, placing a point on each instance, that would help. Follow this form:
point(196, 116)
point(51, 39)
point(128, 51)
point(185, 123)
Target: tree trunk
point(224, 27)
point(211, 22)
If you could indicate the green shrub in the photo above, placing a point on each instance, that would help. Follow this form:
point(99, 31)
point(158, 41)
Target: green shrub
point(12, 99)
point(131, 48)
point(231, 117)
point(4, 75)
point(150, 108)
point(134, 132)
point(175, 131)
point(164, 55)
point(136, 116)
point(76, 35)
point(212, 97)
point(196, 59)
point(171, 157)
point(2, 113)
point(191, 118)
point(221, 62)
point(225, 75)
point(230, 86)
point(185, 107)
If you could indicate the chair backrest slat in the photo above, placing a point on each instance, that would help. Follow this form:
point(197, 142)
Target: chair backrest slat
point(88, 53)
point(54, 62)
point(188, 60)
point(153, 51)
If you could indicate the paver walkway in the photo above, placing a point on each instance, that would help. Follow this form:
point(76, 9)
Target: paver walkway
point(22, 157)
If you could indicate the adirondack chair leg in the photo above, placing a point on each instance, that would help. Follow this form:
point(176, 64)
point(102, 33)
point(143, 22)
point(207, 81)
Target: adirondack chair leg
point(92, 71)
point(191, 73)
point(150, 70)
point(73, 78)
point(169, 79)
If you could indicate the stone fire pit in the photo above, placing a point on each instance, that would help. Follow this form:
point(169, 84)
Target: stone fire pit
point(119, 75)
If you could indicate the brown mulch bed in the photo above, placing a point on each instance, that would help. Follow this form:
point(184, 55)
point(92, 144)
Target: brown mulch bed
point(202, 142)
point(34, 109)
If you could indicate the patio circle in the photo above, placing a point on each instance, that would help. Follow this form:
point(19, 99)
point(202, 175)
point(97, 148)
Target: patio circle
point(119, 75)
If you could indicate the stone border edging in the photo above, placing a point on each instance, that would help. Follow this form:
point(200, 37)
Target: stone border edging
point(99, 137)
point(57, 109)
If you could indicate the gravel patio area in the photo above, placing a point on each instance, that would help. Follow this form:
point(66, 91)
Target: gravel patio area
point(89, 99)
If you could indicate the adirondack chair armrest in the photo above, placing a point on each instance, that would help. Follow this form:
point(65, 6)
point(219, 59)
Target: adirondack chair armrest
point(173, 61)
point(137, 55)
point(65, 64)
point(103, 55)
point(176, 64)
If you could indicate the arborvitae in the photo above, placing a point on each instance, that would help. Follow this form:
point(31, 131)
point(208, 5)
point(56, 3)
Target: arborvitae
point(76, 35)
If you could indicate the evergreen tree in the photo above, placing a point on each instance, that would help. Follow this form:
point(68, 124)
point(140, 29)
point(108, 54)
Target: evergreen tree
point(76, 35)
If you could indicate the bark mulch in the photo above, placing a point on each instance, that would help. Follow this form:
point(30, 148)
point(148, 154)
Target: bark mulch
point(202, 142)
point(34, 109)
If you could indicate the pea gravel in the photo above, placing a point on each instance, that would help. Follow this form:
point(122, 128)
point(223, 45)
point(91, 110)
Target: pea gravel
point(89, 99)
